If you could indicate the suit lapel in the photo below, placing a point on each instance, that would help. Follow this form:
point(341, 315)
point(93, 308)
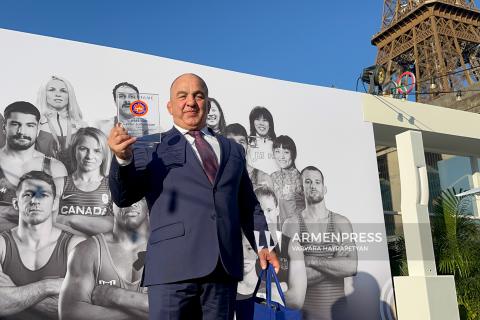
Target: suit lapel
point(172, 148)
point(172, 151)
point(225, 154)
point(176, 152)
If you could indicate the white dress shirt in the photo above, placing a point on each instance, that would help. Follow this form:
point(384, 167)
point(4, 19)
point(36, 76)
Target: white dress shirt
point(207, 135)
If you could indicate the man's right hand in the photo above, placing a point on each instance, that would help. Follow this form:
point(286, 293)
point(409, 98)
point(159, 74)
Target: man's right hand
point(120, 142)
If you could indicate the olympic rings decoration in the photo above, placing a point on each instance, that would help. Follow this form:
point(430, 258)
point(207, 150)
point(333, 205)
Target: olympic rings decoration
point(404, 78)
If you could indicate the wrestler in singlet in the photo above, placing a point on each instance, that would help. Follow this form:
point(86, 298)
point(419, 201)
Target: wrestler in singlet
point(8, 189)
point(107, 273)
point(92, 203)
point(56, 143)
point(321, 297)
point(56, 267)
point(8, 215)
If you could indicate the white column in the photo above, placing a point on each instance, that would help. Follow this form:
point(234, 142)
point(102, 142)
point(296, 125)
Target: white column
point(422, 294)
point(476, 199)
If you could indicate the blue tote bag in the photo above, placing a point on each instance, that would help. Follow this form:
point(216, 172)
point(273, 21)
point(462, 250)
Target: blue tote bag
point(256, 308)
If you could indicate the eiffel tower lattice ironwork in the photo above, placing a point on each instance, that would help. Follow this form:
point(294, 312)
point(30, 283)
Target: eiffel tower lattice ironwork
point(437, 40)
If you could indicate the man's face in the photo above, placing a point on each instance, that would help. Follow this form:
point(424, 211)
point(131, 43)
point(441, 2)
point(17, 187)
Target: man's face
point(21, 130)
point(131, 218)
point(57, 94)
point(188, 102)
point(125, 96)
point(313, 187)
point(270, 210)
point(283, 157)
point(241, 140)
point(34, 201)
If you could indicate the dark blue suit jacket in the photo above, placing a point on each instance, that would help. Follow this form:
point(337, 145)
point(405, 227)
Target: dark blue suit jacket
point(192, 222)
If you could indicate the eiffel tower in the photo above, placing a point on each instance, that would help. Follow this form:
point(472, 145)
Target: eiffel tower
point(437, 40)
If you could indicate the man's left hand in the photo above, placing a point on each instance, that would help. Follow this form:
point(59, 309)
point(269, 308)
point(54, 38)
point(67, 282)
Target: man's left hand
point(266, 257)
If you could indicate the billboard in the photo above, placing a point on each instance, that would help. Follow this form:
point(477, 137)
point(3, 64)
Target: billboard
point(326, 222)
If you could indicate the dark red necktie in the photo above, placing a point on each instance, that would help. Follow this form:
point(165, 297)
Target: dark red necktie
point(209, 159)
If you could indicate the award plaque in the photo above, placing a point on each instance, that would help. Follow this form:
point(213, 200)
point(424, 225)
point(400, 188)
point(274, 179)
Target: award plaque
point(140, 115)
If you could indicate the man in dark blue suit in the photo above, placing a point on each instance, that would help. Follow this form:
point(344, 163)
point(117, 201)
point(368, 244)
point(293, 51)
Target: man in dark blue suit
point(200, 199)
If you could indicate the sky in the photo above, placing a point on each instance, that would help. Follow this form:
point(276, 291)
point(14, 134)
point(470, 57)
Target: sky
point(317, 42)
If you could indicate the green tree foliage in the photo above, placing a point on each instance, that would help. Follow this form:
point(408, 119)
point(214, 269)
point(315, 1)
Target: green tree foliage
point(456, 242)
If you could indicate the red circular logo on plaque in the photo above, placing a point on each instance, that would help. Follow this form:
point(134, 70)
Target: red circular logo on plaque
point(138, 108)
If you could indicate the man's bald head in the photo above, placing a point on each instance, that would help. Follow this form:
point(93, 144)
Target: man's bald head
point(188, 75)
point(189, 102)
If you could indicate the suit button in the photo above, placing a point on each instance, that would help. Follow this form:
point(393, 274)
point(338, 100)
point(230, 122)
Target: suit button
point(215, 189)
point(213, 216)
